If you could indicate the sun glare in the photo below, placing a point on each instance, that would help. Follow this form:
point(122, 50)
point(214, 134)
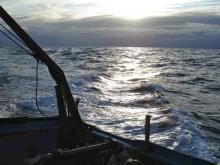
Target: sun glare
point(137, 9)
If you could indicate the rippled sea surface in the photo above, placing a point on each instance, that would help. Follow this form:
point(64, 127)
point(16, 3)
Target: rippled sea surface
point(179, 88)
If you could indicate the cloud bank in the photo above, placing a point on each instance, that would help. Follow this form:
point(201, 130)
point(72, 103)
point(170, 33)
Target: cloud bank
point(197, 29)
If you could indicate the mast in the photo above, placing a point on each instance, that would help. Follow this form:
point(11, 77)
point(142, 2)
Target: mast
point(65, 97)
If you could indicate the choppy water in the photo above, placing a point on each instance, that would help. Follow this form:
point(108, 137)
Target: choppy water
point(179, 88)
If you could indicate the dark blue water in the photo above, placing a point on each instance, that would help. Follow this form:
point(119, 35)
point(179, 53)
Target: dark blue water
point(179, 88)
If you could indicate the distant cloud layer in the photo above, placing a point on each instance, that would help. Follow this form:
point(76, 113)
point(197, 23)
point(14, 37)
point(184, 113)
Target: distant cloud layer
point(195, 28)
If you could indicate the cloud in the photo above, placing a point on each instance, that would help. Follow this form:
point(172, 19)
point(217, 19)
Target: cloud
point(69, 9)
point(194, 29)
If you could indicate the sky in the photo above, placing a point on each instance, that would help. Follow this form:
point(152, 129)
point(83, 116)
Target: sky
point(156, 23)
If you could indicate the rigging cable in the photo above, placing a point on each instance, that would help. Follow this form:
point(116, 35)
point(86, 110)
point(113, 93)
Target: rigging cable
point(14, 41)
point(22, 47)
point(12, 34)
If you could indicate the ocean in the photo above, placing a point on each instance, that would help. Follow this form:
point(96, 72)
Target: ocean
point(118, 86)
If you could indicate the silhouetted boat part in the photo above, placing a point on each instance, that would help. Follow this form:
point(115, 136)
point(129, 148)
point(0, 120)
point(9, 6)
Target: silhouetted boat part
point(66, 139)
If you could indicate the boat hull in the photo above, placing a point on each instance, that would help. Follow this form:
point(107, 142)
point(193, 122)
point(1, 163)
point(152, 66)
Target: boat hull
point(24, 138)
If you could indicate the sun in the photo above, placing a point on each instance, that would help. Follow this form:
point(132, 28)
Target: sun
point(134, 9)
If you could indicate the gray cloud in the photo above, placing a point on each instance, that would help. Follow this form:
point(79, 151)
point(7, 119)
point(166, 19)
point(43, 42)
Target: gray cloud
point(182, 30)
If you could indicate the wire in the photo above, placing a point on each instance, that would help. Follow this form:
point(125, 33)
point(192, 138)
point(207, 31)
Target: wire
point(14, 41)
point(36, 91)
point(12, 34)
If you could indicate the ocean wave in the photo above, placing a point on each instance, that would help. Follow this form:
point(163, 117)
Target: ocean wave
point(213, 87)
point(8, 110)
point(178, 74)
point(211, 129)
point(196, 80)
point(197, 115)
point(47, 105)
point(158, 65)
point(150, 88)
point(184, 94)
point(185, 135)
point(153, 101)
point(190, 60)
point(201, 80)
